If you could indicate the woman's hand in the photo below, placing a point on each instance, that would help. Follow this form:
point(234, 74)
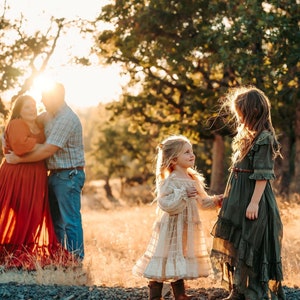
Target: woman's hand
point(252, 211)
point(12, 158)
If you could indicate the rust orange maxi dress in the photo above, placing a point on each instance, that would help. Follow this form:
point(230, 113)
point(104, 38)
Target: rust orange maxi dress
point(27, 236)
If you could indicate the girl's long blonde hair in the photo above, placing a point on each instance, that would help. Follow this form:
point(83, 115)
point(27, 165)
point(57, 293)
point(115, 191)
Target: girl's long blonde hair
point(252, 111)
point(168, 150)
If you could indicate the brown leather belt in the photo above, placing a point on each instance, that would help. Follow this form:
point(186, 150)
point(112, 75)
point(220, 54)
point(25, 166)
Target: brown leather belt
point(238, 170)
point(65, 169)
point(241, 170)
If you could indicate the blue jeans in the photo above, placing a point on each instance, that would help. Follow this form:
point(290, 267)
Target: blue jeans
point(65, 189)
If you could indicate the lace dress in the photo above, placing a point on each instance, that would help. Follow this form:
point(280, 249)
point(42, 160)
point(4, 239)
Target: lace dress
point(177, 248)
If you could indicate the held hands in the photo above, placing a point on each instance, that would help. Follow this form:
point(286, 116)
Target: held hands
point(213, 201)
point(252, 211)
point(218, 200)
point(12, 158)
point(207, 202)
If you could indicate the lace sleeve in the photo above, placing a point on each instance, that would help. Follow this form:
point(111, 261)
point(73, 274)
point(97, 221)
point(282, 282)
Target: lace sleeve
point(172, 199)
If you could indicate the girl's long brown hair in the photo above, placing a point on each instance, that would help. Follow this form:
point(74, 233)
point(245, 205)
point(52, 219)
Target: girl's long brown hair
point(252, 111)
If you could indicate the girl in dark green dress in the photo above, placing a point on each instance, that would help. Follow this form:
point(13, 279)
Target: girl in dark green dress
point(248, 232)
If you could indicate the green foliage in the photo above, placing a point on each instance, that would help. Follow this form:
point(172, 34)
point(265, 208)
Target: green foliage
point(17, 52)
point(158, 44)
point(118, 152)
point(182, 56)
point(24, 55)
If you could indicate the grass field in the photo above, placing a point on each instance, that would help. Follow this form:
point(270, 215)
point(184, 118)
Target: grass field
point(116, 238)
point(116, 235)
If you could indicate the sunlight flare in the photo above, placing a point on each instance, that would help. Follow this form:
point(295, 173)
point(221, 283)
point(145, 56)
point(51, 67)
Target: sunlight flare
point(43, 83)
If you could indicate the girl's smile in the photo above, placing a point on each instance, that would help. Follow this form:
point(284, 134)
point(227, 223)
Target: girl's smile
point(186, 159)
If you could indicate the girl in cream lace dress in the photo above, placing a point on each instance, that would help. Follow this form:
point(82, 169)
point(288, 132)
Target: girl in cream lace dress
point(177, 248)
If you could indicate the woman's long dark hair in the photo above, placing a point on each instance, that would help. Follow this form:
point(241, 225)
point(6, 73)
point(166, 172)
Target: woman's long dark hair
point(16, 110)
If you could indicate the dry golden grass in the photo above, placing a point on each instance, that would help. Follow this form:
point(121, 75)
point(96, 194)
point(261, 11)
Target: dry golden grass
point(116, 238)
point(116, 235)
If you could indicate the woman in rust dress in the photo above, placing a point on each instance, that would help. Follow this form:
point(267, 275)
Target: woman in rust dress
point(27, 236)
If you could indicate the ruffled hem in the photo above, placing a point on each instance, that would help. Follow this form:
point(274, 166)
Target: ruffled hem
point(228, 240)
point(225, 230)
point(272, 271)
point(262, 175)
point(162, 269)
point(269, 283)
point(229, 247)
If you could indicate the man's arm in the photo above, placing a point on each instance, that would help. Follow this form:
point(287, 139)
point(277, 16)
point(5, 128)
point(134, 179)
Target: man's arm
point(41, 151)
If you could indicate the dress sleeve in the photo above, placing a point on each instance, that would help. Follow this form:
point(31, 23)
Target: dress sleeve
point(18, 136)
point(262, 156)
point(172, 199)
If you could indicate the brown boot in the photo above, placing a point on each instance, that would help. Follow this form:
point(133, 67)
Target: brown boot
point(179, 290)
point(234, 295)
point(155, 289)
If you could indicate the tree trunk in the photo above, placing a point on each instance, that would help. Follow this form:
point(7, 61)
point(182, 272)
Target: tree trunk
point(217, 174)
point(108, 190)
point(295, 186)
point(123, 181)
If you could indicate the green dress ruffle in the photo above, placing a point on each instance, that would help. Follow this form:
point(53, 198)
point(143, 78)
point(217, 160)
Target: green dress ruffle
point(251, 247)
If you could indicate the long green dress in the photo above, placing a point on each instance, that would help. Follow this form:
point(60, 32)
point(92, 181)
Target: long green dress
point(252, 248)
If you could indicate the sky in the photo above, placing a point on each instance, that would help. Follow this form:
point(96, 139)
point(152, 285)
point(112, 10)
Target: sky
point(85, 86)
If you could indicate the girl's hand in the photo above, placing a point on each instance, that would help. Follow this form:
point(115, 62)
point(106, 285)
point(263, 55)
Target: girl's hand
point(218, 199)
point(191, 192)
point(211, 201)
point(252, 211)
